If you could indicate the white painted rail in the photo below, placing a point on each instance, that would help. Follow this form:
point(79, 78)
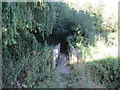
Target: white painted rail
point(55, 55)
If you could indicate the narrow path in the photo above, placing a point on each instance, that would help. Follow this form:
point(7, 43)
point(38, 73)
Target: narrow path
point(63, 70)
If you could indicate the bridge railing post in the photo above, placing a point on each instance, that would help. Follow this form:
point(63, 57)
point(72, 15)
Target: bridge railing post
point(55, 55)
point(74, 55)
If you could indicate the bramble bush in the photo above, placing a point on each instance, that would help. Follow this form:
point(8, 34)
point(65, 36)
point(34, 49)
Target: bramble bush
point(106, 71)
point(29, 32)
point(24, 57)
point(96, 74)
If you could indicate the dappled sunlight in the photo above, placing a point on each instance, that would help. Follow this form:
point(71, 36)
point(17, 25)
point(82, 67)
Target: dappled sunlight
point(101, 51)
point(59, 45)
point(110, 8)
point(73, 59)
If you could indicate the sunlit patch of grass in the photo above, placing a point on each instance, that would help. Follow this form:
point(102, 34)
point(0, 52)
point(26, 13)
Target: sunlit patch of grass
point(103, 49)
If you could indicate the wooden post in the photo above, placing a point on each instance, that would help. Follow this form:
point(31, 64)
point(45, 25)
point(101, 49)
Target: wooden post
point(55, 55)
point(75, 55)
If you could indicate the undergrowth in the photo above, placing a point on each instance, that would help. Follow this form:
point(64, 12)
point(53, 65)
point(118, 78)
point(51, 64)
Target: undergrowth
point(27, 28)
point(106, 71)
point(103, 73)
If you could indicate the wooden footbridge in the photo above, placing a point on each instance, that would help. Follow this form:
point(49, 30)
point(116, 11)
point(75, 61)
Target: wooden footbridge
point(61, 59)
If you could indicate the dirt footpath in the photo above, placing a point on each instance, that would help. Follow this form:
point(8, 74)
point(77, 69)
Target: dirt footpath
point(62, 69)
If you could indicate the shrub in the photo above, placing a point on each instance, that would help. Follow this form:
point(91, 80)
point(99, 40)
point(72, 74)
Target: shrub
point(28, 68)
point(106, 71)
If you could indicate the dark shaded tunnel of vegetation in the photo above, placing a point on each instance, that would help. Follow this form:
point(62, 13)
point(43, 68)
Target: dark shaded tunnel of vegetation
point(67, 26)
point(60, 35)
point(30, 31)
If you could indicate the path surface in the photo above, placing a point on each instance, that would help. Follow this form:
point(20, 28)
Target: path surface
point(63, 70)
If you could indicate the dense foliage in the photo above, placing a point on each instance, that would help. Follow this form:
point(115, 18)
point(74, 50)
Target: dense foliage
point(100, 73)
point(20, 24)
point(29, 32)
point(106, 71)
